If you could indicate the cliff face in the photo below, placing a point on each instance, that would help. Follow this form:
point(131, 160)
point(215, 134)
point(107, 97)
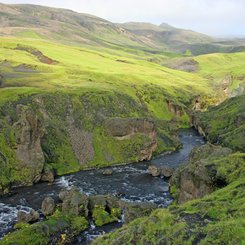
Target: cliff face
point(47, 134)
point(29, 131)
point(200, 176)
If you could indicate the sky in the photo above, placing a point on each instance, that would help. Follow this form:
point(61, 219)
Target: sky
point(220, 18)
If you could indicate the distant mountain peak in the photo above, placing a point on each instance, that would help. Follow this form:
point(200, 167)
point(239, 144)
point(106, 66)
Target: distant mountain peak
point(166, 26)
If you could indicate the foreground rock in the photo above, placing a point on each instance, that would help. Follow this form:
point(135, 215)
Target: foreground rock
point(164, 171)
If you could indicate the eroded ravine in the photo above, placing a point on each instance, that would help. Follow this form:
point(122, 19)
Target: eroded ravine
point(130, 182)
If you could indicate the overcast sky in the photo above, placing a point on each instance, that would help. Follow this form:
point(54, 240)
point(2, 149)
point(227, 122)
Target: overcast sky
point(213, 17)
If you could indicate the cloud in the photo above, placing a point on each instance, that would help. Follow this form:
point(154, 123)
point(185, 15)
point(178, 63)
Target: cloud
point(215, 17)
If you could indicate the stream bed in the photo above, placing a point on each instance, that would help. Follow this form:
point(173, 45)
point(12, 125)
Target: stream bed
point(129, 182)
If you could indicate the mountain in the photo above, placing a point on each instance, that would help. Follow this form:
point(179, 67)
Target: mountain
point(70, 27)
point(167, 36)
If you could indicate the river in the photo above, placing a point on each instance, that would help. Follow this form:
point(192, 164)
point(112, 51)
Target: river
point(129, 182)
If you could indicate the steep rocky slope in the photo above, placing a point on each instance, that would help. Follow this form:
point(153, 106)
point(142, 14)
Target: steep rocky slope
point(66, 133)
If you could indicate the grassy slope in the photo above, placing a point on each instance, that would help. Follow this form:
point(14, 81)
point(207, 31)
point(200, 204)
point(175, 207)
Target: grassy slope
point(224, 124)
point(216, 67)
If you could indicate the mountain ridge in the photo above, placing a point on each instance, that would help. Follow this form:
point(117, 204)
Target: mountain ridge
point(69, 26)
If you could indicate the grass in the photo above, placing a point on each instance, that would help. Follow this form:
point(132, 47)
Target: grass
point(90, 69)
point(58, 227)
point(224, 124)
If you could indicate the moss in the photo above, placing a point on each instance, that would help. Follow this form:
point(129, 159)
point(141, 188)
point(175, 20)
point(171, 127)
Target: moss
point(20, 226)
point(79, 224)
point(43, 232)
point(102, 217)
point(158, 228)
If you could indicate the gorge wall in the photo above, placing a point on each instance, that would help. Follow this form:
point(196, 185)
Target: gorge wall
point(50, 134)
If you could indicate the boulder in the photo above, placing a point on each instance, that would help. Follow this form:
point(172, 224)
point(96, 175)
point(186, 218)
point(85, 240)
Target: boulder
point(107, 172)
point(165, 171)
point(25, 217)
point(154, 170)
point(74, 203)
point(48, 175)
point(48, 206)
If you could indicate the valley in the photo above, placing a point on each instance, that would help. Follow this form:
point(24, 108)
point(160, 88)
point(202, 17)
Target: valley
point(87, 106)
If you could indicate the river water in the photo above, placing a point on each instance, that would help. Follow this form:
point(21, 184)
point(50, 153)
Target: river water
point(129, 182)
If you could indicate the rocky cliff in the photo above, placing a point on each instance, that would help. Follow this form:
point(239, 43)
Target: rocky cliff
point(200, 176)
point(55, 133)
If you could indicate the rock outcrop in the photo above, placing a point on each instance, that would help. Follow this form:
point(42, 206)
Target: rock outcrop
point(136, 210)
point(122, 128)
point(175, 109)
point(200, 176)
point(126, 128)
point(29, 131)
point(164, 171)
